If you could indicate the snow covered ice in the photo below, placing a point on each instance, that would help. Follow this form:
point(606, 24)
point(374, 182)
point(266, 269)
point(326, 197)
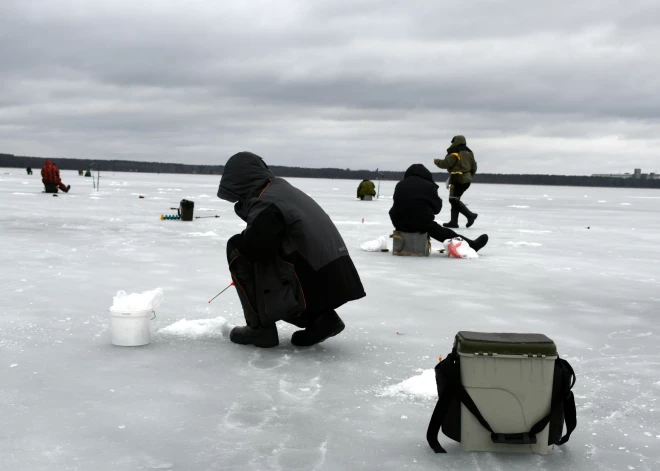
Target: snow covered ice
point(191, 400)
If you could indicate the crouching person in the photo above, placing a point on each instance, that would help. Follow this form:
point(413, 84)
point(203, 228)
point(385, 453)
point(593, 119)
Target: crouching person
point(290, 263)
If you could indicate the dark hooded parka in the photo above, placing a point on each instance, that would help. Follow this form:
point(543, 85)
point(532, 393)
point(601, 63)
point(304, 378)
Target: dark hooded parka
point(304, 265)
point(416, 201)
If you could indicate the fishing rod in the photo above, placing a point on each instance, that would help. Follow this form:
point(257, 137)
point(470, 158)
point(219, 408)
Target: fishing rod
point(96, 183)
point(204, 217)
point(380, 174)
point(230, 285)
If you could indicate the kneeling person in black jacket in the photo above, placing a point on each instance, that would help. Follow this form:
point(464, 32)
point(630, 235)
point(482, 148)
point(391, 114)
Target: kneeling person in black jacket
point(290, 263)
point(416, 203)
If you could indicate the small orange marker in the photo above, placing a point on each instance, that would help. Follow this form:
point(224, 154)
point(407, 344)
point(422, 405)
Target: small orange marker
point(440, 358)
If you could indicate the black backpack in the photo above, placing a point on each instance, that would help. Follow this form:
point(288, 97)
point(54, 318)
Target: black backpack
point(451, 393)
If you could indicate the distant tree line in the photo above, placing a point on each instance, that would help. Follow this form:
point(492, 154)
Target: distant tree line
point(565, 180)
point(10, 160)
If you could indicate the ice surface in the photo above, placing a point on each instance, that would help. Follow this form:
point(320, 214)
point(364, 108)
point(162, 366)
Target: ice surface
point(69, 400)
point(519, 243)
point(134, 302)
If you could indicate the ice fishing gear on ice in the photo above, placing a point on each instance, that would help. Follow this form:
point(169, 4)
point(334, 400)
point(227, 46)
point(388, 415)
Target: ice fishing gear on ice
point(459, 248)
point(493, 382)
point(186, 209)
point(380, 176)
point(230, 285)
point(169, 218)
point(205, 217)
point(411, 244)
point(96, 180)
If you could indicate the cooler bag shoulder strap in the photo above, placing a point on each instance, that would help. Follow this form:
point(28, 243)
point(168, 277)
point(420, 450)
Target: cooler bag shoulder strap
point(570, 416)
point(570, 412)
point(565, 398)
point(472, 407)
point(444, 401)
point(435, 424)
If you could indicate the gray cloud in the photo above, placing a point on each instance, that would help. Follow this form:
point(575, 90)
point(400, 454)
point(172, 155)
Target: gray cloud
point(550, 87)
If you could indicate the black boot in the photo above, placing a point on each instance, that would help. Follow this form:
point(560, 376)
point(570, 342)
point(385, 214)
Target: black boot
point(264, 337)
point(454, 217)
point(323, 327)
point(478, 243)
point(471, 217)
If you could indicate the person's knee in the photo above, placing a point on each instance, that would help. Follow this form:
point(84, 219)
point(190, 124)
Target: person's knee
point(233, 243)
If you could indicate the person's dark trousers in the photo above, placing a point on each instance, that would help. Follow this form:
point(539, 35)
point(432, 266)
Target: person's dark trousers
point(455, 192)
point(439, 233)
point(457, 206)
point(50, 187)
point(243, 275)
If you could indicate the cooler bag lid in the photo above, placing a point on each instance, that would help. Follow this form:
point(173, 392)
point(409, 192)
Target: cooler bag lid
point(504, 344)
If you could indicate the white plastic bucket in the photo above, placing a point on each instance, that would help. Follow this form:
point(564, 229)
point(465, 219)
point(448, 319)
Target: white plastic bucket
point(131, 329)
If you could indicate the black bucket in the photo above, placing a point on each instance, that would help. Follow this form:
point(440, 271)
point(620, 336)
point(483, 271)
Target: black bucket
point(186, 209)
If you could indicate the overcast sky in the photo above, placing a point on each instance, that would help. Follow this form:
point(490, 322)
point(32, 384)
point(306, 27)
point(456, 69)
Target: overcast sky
point(568, 87)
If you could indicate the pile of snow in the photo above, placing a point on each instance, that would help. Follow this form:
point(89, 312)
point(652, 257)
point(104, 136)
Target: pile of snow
point(375, 245)
point(458, 248)
point(421, 386)
point(145, 301)
point(198, 328)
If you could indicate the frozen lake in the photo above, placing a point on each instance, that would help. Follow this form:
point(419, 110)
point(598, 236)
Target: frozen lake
point(581, 265)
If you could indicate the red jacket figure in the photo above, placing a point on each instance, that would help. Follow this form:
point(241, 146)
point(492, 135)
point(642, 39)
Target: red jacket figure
point(50, 176)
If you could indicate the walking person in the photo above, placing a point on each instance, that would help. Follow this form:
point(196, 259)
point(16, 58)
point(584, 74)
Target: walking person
point(461, 165)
